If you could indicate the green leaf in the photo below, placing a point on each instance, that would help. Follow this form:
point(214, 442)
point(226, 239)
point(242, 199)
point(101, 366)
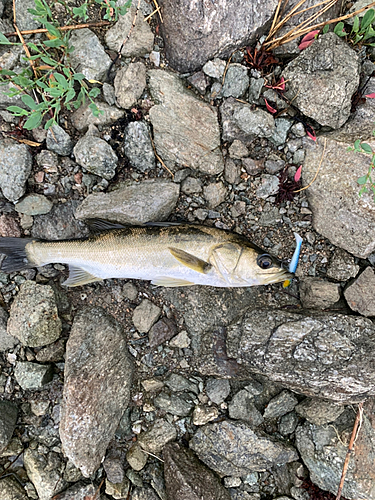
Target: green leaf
point(16, 110)
point(55, 92)
point(362, 180)
point(41, 84)
point(67, 73)
point(4, 40)
point(324, 31)
point(34, 121)
point(61, 80)
point(81, 12)
point(29, 101)
point(355, 25)
point(53, 43)
point(357, 145)
point(94, 109)
point(363, 190)
point(94, 92)
point(70, 95)
point(78, 76)
point(367, 19)
point(49, 61)
point(366, 147)
point(52, 30)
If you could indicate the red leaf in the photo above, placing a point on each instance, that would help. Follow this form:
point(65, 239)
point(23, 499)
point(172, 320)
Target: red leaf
point(297, 175)
point(270, 108)
point(311, 134)
point(371, 96)
point(308, 39)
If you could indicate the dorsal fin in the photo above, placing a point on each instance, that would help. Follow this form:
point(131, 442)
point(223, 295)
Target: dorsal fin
point(97, 225)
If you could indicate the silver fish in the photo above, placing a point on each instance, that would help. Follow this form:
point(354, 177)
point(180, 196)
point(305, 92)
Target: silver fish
point(168, 255)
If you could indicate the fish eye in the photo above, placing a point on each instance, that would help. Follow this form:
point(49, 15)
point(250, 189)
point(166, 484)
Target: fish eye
point(264, 261)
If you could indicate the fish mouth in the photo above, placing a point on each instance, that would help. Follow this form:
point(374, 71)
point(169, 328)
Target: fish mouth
point(282, 275)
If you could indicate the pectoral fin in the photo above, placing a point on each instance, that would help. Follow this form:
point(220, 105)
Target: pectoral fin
point(191, 261)
point(171, 282)
point(78, 277)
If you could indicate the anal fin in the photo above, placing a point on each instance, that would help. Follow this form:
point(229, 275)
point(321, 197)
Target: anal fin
point(190, 261)
point(78, 277)
point(170, 282)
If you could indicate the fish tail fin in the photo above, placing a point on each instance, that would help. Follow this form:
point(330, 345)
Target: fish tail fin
point(16, 256)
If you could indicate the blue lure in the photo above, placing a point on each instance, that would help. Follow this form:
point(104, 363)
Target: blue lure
point(294, 262)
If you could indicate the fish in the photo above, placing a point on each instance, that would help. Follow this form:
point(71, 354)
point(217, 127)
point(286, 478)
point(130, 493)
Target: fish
point(168, 255)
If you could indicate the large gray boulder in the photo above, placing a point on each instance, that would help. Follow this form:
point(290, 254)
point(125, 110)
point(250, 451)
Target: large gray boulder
point(339, 214)
point(195, 32)
point(15, 167)
point(186, 129)
point(322, 80)
point(98, 372)
point(323, 355)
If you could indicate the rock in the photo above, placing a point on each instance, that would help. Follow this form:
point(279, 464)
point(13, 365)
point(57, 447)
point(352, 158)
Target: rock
point(154, 439)
point(10, 489)
point(145, 315)
point(313, 441)
point(318, 411)
point(288, 423)
point(359, 295)
point(188, 479)
point(252, 167)
point(136, 458)
point(269, 186)
point(52, 353)
point(236, 81)
point(138, 147)
point(342, 266)
point(117, 490)
point(175, 405)
point(161, 331)
point(134, 203)
point(25, 20)
point(215, 194)
point(8, 419)
point(181, 341)
point(300, 352)
point(59, 224)
point(242, 408)
point(109, 94)
point(46, 479)
point(240, 121)
point(316, 293)
point(217, 30)
point(33, 315)
point(59, 141)
point(191, 185)
point(179, 383)
point(9, 227)
point(280, 133)
point(145, 493)
point(32, 375)
point(15, 168)
point(34, 204)
point(322, 79)
point(186, 129)
point(215, 68)
point(238, 150)
point(232, 171)
point(234, 449)
point(130, 83)
point(97, 375)
point(78, 491)
point(199, 81)
point(83, 117)
point(217, 390)
point(88, 56)
point(141, 40)
point(333, 198)
point(129, 291)
point(7, 341)
point(114, 469)
point(280, 405)
point(152, 385)
point(360, 123)
point(96, 156)
point(203, 414)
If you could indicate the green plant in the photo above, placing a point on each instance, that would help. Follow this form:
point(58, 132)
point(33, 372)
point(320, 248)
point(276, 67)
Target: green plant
point(361, 31)
point(366, 181)
point(50, 83)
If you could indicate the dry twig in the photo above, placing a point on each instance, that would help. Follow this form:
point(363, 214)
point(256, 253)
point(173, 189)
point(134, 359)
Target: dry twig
point(62, 28)
point(353, 438)
point(159, 159)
